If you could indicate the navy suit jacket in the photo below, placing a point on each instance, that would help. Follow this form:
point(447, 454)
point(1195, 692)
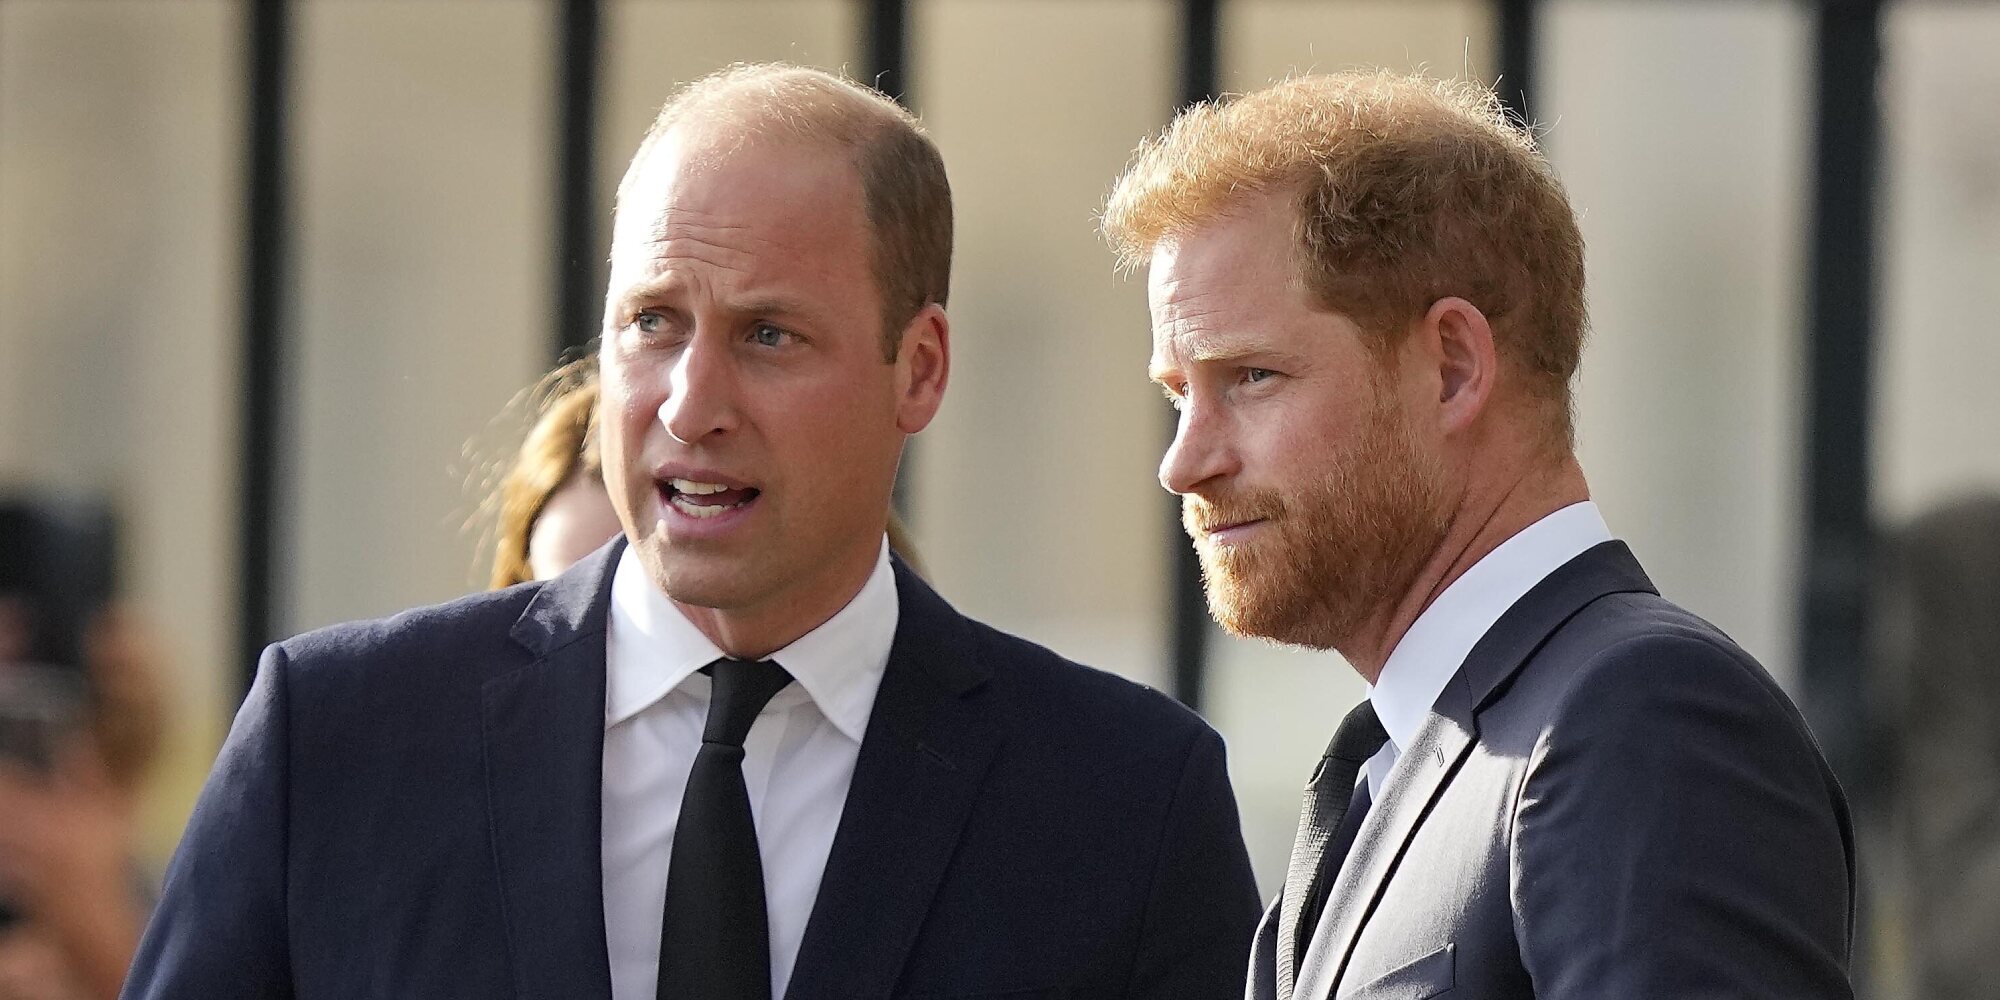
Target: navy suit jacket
point(1610, 799)
point(410, 808)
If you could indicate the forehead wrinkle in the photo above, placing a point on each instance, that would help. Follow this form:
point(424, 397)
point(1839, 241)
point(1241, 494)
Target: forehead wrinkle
point(661, 253)
point(709, 247)
point(1182, 326)
point(742, 289)
point(676, 230)
point(671, 216)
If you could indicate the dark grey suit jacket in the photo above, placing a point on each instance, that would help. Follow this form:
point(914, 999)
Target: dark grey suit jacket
point(1609, 800)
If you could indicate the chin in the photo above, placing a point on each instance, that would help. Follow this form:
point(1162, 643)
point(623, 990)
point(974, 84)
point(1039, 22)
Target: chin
point(702, 580)
point(1252, 605)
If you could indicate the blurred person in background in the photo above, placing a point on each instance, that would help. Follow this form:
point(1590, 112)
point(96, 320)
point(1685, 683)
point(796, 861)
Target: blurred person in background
point(550, 505)
point(1367, 306)
point(742, 752)
point(80, 722)
point(1940, 641)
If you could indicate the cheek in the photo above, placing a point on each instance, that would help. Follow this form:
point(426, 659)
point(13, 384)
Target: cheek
point(840, 436)
point(1302, 442)
point(1274, 440)
point(627, 407)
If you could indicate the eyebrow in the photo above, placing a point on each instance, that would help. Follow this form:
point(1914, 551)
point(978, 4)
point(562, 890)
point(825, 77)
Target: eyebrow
point(1213, 350)
point(659, 287)
point(650, 289)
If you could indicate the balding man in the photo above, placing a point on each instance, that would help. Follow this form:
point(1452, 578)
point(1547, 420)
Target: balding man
point(739, 753)
point(1367, 305)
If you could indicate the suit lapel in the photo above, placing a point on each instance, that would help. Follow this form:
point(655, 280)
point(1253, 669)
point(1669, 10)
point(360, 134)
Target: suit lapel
point(1263, 983)
point(1426, 766)
point(1607, 568)
point(930, 738)
point(1421, 772)
point(543, 726)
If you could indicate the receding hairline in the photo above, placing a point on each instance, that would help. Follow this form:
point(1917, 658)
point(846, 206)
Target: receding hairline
point(744, 103)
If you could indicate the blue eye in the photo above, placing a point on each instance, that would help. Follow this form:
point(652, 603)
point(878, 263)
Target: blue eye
point(1257, 374)
point(767, 335)
point(649, 322)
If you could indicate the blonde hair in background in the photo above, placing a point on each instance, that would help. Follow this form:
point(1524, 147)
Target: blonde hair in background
point(560, 445)
point(1410, 190)
point(906, 195)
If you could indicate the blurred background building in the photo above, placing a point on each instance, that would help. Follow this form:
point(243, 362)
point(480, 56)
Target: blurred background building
point(266, 268)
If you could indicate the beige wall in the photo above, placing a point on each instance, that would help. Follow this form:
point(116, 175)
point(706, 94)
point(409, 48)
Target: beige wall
point(1938, 416)
point(1265, 40)
point(423, 184)
point(652, 47)
point(119, 150)
point(1034, 498)
point(1681, 131)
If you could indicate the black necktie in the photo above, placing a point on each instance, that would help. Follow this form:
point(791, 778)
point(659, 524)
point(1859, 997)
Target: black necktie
point(715, 938)
point(1313, 866)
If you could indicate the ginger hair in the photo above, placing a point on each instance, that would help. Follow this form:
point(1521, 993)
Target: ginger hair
point(1409, 190)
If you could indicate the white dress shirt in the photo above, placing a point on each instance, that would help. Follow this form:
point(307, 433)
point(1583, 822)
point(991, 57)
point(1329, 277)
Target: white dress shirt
point(798, 759)
point(1443, 635)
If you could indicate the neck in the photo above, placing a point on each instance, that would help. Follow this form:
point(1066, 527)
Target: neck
point(755, 632)
point(1488, 515)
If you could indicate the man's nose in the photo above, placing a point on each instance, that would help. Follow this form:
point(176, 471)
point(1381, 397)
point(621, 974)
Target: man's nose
point(1200, 452)
point(701, 395)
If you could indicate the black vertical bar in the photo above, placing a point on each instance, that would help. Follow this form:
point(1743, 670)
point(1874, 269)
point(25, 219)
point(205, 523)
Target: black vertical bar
point(1839, 347)
point(885, 47)
point(1200, 48)
point(579, 296)
point(1200, 45)
point(266, 276)
point(1517, 54)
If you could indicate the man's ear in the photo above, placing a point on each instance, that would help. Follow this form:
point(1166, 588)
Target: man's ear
point(1468, 366)
point(923, 367)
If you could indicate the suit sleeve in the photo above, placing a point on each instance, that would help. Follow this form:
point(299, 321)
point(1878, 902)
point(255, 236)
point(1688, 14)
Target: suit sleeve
point(1203, 907)
point(220, 930)
point(1677, 835)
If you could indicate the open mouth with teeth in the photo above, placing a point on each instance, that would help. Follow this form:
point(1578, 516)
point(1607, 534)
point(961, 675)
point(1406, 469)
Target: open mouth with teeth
point(702, 500)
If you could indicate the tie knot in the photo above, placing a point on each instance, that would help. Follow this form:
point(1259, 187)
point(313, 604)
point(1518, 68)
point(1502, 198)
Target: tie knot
point(1360, 735)
point(742, 689)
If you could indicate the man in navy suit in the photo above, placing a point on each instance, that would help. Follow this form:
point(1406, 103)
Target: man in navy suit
point(1367, 304)
point(740, 753)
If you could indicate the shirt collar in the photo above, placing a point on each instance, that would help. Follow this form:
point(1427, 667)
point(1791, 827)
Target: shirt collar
point(1443, 635)
point(653, 648)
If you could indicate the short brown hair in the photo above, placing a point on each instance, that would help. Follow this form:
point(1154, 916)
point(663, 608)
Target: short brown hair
point(907, 197)
point(561, 446)
point(1411, 190)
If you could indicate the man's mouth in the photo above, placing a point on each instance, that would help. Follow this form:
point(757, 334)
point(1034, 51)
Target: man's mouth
point(1208, 521)
point(1228, 530)
point(704, 500)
